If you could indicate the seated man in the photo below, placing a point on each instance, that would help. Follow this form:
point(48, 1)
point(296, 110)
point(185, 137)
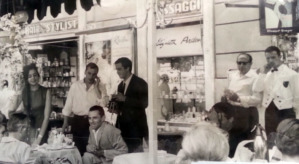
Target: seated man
point(105, 141)
point(12, 149)
point(239, 123)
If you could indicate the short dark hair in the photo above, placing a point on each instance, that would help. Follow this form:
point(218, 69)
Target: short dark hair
point(125, 62)
point(248, 55)
point(273, 48)
point(287, 139)
point(226, 108)
point(17, 121)
point(92, 66)
point(26, 70)
point(99, 109)
point(5, 83)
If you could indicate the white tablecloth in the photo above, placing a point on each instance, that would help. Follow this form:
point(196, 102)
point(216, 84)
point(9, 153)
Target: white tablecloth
point(143, 158)
point(70, 154)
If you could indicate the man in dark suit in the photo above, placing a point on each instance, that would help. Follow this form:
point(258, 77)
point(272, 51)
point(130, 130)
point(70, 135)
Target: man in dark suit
point(132, 98)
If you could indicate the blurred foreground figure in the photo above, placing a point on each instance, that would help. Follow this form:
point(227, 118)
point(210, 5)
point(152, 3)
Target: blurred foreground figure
point(12, 149)
point(287, 140)
point(204, 142)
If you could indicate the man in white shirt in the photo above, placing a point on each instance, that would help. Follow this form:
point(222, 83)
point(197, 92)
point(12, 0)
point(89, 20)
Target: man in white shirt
point(243, 101)
point(12, 149)
point(280, 90)
point(82, 95)
point(240, 91)
point(105, 141)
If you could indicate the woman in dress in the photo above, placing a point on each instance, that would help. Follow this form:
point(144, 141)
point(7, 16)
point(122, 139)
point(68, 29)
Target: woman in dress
point(37, 104)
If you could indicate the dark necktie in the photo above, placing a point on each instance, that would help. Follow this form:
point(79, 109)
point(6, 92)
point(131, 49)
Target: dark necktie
point(122, 88)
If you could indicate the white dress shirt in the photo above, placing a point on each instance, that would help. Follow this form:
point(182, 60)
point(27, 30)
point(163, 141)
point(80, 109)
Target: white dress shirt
point(127, 82)
point(242, 85)
point(279, 86)
point(13, 150)
point(79, 100)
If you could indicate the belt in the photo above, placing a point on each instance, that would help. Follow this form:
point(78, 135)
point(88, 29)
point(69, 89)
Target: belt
point(78, 116)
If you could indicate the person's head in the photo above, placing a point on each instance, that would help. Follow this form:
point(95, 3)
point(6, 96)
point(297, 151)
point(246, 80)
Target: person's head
point(123, 67)
point(287, 139)
point(273, 56)
point(96, 116)
point(244, 62)
point(222, 114)
point(107, 51)
point(165, 78)
point(205, 142)
point(18, 124)
point(91, 72)
point(31, 75)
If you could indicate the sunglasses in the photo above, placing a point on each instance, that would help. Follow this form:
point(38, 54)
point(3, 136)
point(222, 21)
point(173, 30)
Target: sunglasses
point(242, 63)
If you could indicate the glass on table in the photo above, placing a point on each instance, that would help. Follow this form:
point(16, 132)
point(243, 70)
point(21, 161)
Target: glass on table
point(69, 139)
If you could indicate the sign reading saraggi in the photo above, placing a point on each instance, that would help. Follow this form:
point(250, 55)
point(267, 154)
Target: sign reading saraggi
point(64, 25)
point(178, 8)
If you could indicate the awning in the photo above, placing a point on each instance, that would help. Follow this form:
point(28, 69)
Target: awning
point(12, 6)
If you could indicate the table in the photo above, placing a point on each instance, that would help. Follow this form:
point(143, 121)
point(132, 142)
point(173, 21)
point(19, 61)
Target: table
point(62, 155)
point(143, 158)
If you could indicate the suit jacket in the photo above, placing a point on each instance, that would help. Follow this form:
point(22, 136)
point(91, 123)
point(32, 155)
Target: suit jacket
point(281, 87)
point(109, 140)
point(132, 121)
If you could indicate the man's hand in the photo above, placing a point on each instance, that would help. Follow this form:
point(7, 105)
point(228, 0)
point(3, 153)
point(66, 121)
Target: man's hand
point(266, 68)
point(231, 95)
point(91, 148)
point(99, 153)
point(119, 97)
point(94, 150)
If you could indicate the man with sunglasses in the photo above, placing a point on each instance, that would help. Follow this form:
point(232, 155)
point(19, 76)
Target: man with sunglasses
point(239, 92)
point(280, 90)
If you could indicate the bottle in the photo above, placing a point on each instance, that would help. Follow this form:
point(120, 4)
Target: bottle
point(193, 112)
point(189, 114)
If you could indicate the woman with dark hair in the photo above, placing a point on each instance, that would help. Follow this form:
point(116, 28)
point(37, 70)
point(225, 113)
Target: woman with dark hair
point(37, 103)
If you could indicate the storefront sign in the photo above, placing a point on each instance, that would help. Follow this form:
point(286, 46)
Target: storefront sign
point(179, 41)
point(52, 27)
point(178, 8)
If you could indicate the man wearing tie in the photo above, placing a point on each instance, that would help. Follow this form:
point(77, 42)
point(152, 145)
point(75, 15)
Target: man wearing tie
point(280, 90)
point(132, 98)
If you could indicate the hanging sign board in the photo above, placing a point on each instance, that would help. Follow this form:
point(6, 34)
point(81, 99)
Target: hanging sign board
point(178, 8)
point(179, 41)
point(56, 26)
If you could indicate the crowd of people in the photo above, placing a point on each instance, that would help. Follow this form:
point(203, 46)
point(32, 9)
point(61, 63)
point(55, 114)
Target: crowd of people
point(272, 89)
point(97, 140)
point(232, 131)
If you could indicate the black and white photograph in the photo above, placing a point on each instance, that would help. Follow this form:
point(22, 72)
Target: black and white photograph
point(149, 81)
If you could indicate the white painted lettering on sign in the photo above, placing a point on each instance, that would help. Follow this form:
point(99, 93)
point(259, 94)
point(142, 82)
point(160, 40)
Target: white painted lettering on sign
point(51, 27)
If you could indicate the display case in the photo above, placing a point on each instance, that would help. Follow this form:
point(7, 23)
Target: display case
point(181, 84)
point(58, 77)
